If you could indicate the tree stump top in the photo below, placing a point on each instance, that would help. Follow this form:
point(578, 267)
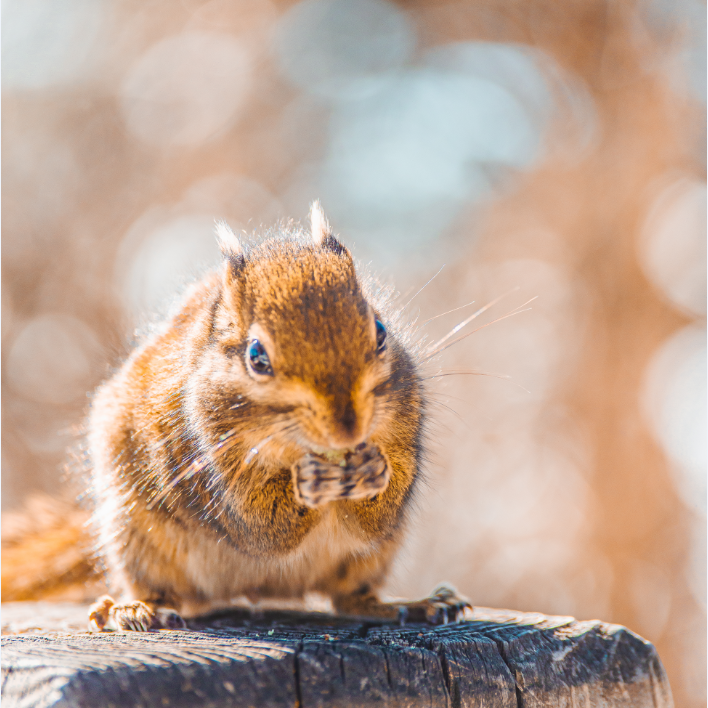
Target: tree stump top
point(497, 658)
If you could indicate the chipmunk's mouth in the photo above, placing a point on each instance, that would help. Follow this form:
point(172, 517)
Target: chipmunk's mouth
point(339, 456)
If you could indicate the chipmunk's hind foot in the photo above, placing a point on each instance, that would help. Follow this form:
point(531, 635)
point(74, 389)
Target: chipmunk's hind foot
point(134, 616)
point(443, 606)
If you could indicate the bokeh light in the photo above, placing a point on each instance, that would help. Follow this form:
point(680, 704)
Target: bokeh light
point(676, 405)
point(411, 139)
point(47, 43)
point(342, 49)
point(51, 359)
point(186, 88)
point(673, 247)
point(547, 150)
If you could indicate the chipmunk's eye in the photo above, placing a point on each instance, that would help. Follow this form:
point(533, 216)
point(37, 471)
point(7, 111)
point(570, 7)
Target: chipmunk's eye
point(380, 336)
point(257, 358)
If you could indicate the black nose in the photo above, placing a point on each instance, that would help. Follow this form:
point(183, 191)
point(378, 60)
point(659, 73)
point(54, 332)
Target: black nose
point(348, 419)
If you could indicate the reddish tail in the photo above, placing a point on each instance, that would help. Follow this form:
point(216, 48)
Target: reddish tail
point(47, 553)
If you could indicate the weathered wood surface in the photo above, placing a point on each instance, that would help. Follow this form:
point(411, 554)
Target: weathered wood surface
point(495, 659)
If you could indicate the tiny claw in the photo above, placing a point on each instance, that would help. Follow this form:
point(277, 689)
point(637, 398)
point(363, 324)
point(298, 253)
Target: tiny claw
point(133, 616)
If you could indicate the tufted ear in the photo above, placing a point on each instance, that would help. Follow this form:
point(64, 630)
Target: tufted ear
point(231, 248)
point(319, 226)
point(322, 232)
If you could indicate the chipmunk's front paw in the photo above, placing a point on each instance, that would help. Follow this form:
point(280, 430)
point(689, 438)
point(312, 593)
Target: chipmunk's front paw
point(443, 606)
point(357, 474)
point(133, 616)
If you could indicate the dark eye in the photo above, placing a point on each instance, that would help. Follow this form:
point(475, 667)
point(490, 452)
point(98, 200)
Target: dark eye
point(257, 358)
point(380, 336)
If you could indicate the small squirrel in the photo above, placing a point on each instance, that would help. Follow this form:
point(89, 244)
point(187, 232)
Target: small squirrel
point(266, 441)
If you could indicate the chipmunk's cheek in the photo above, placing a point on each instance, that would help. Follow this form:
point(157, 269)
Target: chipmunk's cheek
point(309, 430)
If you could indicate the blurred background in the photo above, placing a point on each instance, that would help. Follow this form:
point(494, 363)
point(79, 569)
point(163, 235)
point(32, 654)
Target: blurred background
point(550, 149)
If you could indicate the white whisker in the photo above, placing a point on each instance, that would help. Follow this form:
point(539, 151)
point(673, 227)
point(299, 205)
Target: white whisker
point(504, 377)
point(423, 288)
point(516, 311)
point(473, 316)
point(442, 314)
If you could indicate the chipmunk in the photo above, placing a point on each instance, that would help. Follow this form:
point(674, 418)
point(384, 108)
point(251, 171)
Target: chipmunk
point(266, 441)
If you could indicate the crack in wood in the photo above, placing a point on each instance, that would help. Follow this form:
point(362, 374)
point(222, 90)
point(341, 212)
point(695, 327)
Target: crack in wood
point(296, 676)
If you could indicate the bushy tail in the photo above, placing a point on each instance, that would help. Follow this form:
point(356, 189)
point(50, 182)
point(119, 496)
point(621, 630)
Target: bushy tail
point(47, 553)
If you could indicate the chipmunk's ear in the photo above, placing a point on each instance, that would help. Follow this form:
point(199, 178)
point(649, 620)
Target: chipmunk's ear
point(321, 231)
point(231, 248)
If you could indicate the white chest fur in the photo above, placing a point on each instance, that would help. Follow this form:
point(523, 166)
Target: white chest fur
point(221, 573)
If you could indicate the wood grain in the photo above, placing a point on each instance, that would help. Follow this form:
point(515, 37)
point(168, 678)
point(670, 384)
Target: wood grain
point(495, 659)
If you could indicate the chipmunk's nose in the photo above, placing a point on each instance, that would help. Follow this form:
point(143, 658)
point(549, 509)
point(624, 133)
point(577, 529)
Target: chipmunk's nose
point(349, 420)
point(349, 426)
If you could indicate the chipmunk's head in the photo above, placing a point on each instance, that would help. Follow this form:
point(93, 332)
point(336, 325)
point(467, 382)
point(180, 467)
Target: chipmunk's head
point(296, 336)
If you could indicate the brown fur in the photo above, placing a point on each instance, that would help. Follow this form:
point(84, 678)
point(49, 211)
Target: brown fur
point(212, 482)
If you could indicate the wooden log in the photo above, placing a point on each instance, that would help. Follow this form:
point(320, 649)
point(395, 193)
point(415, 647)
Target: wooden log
point(495, 659)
